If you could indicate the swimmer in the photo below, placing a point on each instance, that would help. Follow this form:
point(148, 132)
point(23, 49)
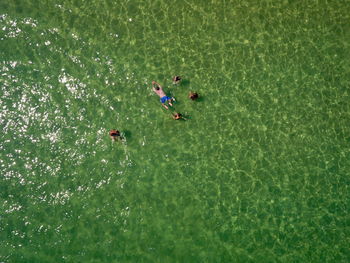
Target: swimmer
point(176, 80)
point(178, 116)
point(114, 135)
point(163, 97)
point(193, 95)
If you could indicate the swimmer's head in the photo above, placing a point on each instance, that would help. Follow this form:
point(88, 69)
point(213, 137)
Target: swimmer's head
point(193, 95)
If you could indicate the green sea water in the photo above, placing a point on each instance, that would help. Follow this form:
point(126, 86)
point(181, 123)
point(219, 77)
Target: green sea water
point(258, 173)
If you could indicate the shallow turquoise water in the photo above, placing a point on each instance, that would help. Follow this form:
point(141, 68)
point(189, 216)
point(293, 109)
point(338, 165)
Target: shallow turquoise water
point(259, 172)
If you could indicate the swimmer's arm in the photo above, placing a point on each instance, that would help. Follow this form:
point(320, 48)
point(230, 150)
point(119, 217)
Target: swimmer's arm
point(153, 88)
point(154, 82)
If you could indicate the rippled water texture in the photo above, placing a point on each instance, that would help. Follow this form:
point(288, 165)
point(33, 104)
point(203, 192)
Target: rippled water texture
point(259, 172)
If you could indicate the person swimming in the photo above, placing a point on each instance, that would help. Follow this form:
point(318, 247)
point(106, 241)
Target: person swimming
point(179, 116)
point(114, 135)
point(157, 88)
point(176, 79)
point(193, 95)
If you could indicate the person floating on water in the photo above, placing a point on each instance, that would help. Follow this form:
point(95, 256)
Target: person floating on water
point(193, 95)
point(163, 97)
point(178, 116)
point(176, 79)
point(114, 135)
